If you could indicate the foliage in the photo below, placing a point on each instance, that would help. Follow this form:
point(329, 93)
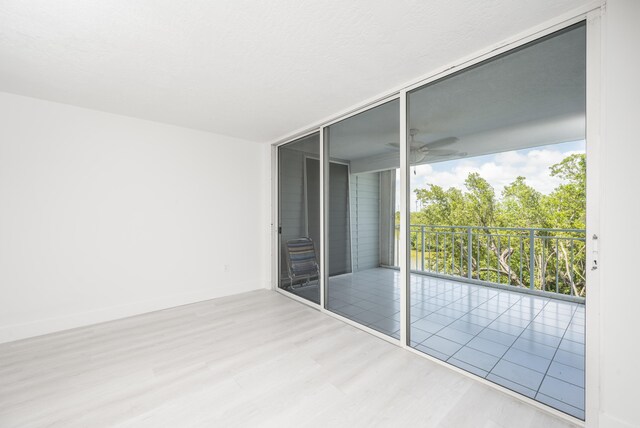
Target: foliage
point(503, 255)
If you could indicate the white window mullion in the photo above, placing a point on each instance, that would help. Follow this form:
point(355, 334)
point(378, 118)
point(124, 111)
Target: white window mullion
point(403, 256)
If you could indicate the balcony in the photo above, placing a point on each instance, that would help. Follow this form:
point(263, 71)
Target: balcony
point(528, 259)
point(506, 304)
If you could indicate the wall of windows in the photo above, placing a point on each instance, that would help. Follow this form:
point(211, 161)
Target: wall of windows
point(451, 218)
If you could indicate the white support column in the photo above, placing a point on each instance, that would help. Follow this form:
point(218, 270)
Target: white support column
point(275, 220)
point(403, 256)
point(324, 209)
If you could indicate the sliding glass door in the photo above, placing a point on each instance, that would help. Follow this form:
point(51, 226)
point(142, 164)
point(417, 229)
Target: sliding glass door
point(495, 279)
point(497, 235)
point(363, 279)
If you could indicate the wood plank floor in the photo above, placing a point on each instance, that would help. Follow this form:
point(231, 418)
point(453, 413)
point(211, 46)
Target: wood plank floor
point(257, 359)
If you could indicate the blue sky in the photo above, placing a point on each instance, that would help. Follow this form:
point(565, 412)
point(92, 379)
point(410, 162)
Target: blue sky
point(498, 169)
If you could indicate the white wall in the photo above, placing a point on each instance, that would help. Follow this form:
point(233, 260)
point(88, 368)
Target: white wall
point(620, 217)
point(104, 216)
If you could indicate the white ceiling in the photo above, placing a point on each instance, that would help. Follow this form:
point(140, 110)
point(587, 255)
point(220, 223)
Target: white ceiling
point(251, 69)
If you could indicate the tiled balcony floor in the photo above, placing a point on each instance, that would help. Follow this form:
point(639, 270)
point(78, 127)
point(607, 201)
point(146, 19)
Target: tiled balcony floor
point(529, 344)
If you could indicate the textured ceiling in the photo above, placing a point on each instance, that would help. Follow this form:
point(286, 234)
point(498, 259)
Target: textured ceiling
point(249, 69)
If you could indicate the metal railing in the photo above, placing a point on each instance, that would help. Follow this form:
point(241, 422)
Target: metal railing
point(550, 260)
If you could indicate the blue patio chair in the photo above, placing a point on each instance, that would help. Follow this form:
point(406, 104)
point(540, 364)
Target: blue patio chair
point(301, 260)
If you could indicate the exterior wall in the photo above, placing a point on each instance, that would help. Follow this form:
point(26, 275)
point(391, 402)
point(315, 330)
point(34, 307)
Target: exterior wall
point(298, 220)
point(387, 217)
point(365, 220)
point(292, 203)
point(339, 220)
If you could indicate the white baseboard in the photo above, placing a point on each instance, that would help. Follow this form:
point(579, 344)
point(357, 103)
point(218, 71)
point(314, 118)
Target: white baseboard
point(39, 327)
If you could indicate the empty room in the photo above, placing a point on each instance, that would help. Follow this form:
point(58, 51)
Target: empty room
point(319, 214)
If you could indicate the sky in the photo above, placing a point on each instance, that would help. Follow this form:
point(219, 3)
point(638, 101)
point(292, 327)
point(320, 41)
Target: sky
point(498, 169)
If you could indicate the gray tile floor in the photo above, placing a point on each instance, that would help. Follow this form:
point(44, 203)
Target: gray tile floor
point(529, 344)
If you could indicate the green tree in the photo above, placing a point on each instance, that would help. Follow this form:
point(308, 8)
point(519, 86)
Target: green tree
point(496, 254)
point(521, 206)
point(566, 205)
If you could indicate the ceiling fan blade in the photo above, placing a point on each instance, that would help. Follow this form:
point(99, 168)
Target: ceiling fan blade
point(441, 152)
point(440, 143)
point(416, 145)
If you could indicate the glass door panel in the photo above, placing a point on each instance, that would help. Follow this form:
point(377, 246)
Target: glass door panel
point(497, 221)
point(363, 278)
point(299, 217)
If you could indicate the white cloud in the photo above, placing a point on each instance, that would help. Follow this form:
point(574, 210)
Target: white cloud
point(499, 170)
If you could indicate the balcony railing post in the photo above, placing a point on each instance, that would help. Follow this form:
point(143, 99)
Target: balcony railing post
point(469, 249)
point(532, 260)
point(493, 239)
point(422, 246)
point(571, 271)
point(396, 256)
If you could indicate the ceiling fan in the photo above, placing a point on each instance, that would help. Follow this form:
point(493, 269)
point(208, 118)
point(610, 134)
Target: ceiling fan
point(420, 150)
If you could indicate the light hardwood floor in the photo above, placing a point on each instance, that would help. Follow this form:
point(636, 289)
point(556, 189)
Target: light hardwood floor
point(257, 359)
